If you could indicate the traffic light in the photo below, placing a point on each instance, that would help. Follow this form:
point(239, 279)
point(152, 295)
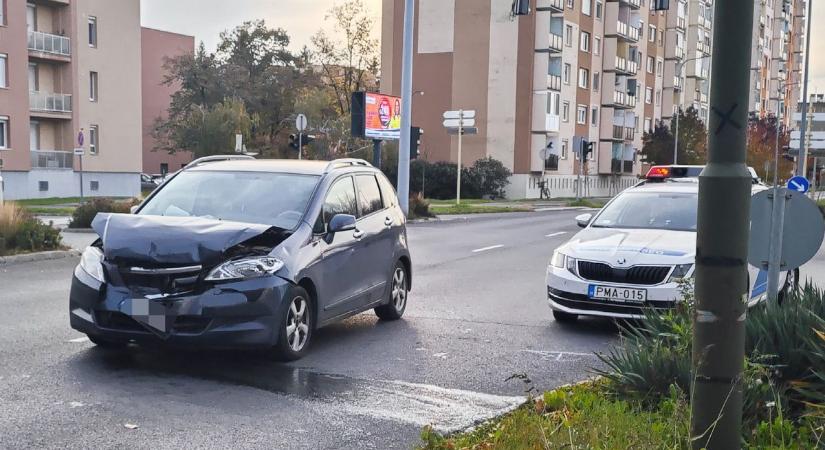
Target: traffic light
point(305, 140)
point(589, 148)
point(415, 141)
point(293, 141)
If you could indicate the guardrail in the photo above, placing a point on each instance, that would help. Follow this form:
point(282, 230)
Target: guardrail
point(50, 43)
point(50, 102)
point(51, 159)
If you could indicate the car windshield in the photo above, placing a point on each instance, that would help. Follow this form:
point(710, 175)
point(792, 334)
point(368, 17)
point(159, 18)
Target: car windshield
point(277, 199)
point(654, 210)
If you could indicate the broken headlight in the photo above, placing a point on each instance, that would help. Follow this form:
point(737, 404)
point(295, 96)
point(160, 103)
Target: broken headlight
point(92, 263)
point(245, 268)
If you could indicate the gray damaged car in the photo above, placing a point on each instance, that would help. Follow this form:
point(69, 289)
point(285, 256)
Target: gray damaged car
point(234, 252)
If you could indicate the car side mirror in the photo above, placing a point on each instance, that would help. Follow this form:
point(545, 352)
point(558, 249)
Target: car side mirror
point(341, 222)
point(583, 220)
point(133, 209)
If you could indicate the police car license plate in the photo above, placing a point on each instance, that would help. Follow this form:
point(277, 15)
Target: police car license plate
point(617, 294)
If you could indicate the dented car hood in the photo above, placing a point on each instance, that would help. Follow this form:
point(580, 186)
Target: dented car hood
point(165, 240)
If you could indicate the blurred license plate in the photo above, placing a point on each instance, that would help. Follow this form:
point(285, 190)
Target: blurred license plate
point(617, 294)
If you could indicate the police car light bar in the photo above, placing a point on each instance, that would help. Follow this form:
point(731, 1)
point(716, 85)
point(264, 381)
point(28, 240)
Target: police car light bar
point(658, 172)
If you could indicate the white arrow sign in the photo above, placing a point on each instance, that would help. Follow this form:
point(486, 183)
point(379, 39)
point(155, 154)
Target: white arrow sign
point(455, 123)
point(467, 114)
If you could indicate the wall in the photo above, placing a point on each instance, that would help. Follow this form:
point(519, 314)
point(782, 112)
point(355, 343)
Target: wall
point(66, 183)
point(156, 46)
point(14, 100)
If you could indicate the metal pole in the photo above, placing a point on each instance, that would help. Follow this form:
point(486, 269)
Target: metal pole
point(376, 153)
point(1, 189)
point(580, 152)
point(722, 238)
point(676, 137)
point(802, 161)
point(458, 165)
point(81, 178)
point(300, 143)
point(777, 217)
point(406, 106)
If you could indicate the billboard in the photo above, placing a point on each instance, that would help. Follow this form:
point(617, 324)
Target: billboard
point(382, 116)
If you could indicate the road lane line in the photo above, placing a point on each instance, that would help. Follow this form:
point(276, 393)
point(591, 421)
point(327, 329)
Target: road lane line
point(556, 234)
point(484, 249)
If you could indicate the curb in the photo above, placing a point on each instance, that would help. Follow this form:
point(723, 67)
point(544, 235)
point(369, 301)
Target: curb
point(77, 230)
point(36, 257)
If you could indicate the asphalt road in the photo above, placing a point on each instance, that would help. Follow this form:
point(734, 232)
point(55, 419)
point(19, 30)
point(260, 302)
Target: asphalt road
point(477, 315)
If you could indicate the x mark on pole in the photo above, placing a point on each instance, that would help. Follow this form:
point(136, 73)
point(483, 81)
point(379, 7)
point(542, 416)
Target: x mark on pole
point(727, 118)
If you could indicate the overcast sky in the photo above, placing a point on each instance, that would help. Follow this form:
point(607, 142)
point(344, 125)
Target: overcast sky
point(205, 19)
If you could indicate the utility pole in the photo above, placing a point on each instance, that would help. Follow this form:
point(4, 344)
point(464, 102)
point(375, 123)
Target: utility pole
point(722, 238)
point(406, 106)
point(802, 158)
point(458, 165)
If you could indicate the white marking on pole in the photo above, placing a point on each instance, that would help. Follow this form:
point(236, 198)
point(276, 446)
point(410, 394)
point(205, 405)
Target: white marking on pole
point(705, 316)
point(484, 249)
point(556, 234)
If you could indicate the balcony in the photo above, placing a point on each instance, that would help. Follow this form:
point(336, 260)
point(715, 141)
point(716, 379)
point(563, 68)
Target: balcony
point(51, 159)
point(626, 66)
point(555, 45)
point(627, 32)
point(620, 166)
point(48, 104)
point(635, 4)
point(623, 101)
point(681, 22)
point(678, 83)
point(703, 48)
point(555, 6)
point(551, 123)
point(554, 82)
point(629, 134)
point(618, 132)
point(49, 46)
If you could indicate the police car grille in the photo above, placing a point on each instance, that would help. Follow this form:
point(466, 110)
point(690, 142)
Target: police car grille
point(644, 275)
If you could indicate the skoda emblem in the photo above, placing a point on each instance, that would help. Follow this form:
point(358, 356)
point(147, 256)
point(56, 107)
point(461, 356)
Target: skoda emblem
point(621, 261)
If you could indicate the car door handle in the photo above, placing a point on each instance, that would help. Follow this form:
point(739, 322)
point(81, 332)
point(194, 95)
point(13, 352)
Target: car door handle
point(388, 222)
point(358, 234)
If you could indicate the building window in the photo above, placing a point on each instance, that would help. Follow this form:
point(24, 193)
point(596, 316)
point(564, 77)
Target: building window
point(581, 114)
point(564, 145)
point(598, 9)
point(648, 95)
point(93, 86)
point(651, 33)
point(553, 103)
point(92, 31)
point(565, 111)
point(43, 186)
point(4, 70)
point(566, 73)
point(571, 4)
point(584, 78)
point(594, 116)
point(587, 6)
point(568, 35)
point(584, 41)
point(94, 186)
point(34, 77)
point(597, 46)
point(647, 124)
point(651, 62)
point(4, 132)
point(661, 38)
point(658, 98)
point(164, 168)
point(2, 12)
point(597, 81)
point(94, 137)
point(659, 67)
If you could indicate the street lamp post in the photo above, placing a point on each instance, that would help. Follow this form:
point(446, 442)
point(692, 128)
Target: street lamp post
point(680, 66)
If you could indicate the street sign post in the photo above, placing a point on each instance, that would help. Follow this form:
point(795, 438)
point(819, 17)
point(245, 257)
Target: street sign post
point(459, 122)
point(300, 125)
point(79, 151)
point(799, 184)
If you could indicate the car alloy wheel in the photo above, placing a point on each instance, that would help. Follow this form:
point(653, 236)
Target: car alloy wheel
point(297, 324)
point(399, 289)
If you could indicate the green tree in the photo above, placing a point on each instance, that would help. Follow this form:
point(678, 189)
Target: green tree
point(207, 130)
point(657, 144)
point(762, 147)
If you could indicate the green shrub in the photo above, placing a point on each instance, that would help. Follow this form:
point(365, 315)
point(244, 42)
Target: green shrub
point(85, 213)
point(21, 232)
point(486, 178)
point(419, 207)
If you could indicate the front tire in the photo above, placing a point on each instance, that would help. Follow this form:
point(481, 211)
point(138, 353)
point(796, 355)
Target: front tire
point(399, 290)
point(563, 317)
point(296, 326)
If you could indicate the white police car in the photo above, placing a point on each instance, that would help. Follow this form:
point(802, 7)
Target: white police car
point(633, 253)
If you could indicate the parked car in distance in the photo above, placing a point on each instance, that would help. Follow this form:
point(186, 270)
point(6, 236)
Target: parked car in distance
point(235, 252)
point(147, 182)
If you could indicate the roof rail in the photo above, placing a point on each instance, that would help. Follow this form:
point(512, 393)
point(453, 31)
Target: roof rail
point(337, 163)
point(215, 158)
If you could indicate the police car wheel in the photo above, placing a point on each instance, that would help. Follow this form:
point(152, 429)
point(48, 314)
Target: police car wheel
point(564, 317)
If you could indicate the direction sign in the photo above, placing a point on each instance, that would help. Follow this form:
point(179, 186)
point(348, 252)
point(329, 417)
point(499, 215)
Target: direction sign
point(301, 122)
point(467, 114)
point(801, 236)
point(465, 130)
point(80, 138)
point(799, 184)
point(455, 123)
point(79, 151)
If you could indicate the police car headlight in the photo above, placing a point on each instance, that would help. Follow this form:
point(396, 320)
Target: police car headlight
point(573, 265)
point(680, 272)
point(558, 260)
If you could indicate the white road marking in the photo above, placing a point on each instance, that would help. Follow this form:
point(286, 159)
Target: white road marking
point(484, 249)
point(558, 356)
point(556, 234)
point(79, 340)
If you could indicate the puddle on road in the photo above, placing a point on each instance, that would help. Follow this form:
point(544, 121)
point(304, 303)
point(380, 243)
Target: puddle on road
point(447, 410)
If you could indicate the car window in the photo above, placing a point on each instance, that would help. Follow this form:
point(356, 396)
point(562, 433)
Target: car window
point(387, 191)
point(369, 195)
point(340, 199)
point(653, 210)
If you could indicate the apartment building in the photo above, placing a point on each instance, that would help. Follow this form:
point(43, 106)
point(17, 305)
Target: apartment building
point(776, 70)
point(601, 70)
point(68, 66)
point(156, 47)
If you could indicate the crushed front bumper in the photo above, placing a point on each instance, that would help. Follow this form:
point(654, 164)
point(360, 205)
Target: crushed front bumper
point(230, 315)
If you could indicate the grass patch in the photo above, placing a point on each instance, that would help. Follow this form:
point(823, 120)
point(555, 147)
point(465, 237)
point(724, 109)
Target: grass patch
point(467, 201)
point(474, 208)
point(45, 211)
point(587, 203)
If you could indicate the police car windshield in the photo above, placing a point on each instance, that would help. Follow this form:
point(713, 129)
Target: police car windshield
point(650, 210)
